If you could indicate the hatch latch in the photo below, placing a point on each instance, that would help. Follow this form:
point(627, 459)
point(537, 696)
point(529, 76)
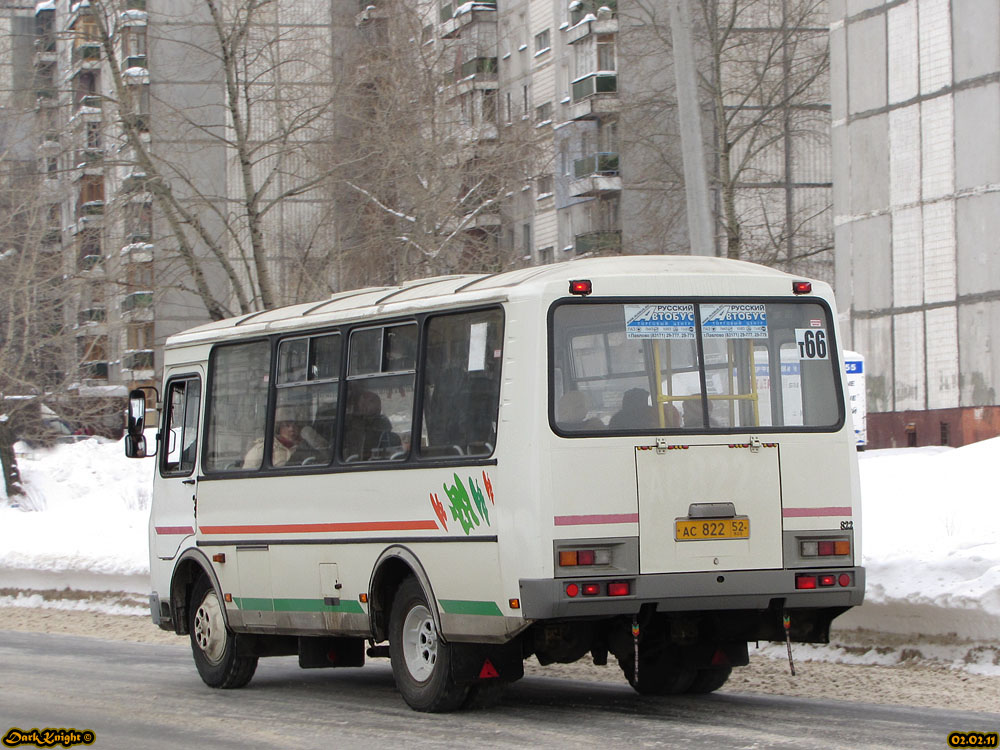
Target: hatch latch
point(754, 444)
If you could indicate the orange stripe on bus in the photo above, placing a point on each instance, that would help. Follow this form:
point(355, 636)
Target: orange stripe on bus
point(303, 528)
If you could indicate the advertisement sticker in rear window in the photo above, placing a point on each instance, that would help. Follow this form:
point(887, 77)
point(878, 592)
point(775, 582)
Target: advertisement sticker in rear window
point(659, 321)
point(734, 321)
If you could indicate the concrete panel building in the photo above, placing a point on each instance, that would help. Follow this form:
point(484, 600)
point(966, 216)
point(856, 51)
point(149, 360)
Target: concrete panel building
point(916, 147)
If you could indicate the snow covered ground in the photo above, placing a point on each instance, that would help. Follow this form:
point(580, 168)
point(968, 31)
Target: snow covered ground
point(931, 546)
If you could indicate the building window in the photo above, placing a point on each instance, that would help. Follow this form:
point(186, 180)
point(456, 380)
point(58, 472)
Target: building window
point(543, 186)
point(139, 336)
point(94, 135)
point(134, 42)
point(543, 113)
point(606, 52)
point(510, 109)
point(490, 106)
point(526, 239)
point(140, 276)
point(524, 99)
point(545, 255)
point(542, 42)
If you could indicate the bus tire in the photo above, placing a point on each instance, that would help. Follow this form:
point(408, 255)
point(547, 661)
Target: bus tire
point(710, 679)
point(215, 648)
point(659, 673)
point(421, 661)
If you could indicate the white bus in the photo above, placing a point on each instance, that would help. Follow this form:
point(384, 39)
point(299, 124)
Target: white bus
point(639, 456)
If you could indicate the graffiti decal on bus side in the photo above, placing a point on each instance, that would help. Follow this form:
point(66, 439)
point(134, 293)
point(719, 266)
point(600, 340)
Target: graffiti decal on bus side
point(463, 506)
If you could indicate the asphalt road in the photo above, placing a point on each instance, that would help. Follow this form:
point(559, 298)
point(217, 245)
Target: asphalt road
point(136, 695)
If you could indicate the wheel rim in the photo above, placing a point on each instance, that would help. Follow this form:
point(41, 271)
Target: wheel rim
point(420, 643)
point(210, 628)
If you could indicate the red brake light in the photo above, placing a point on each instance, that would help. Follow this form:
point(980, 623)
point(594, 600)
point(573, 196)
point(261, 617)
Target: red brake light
point(591, 589)
point(827, 580)
point(826, 548)
point(585, 557)
point(572, 590)
point(619, 588)
point(805, 582)
point(583, 287)
point(802, 287)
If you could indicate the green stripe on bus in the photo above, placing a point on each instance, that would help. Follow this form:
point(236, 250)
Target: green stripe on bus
point(262, 605)
point(466, 607)
point(298, 605)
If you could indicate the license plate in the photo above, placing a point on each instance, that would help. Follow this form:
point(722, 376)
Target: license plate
point(711, 528)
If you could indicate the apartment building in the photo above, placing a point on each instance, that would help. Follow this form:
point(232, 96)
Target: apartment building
point(131, 106)
point(916, 113)
point(595, 79)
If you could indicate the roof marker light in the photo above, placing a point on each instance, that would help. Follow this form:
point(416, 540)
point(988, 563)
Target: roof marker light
point(802, 287)
point(582, 287)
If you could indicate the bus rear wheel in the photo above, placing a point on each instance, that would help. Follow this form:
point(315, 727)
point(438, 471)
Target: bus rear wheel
point(710, 679)
point(660, 670)
point(215, 647)
point(421, 660)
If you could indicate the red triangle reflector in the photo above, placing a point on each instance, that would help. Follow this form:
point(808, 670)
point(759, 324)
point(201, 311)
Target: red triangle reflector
point(488, 671)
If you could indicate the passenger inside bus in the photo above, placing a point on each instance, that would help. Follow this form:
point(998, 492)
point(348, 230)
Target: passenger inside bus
point(368, 432)
point(637, 413)
point(287, 436)
point(572, 411)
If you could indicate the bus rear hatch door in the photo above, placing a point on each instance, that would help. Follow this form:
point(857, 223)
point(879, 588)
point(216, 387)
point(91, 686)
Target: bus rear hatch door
point(709, 507)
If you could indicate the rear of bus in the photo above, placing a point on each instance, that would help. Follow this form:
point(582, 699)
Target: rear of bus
point(701, 471)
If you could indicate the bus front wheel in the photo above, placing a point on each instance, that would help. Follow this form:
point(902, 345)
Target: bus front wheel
point(216, 654)
point(421, 661)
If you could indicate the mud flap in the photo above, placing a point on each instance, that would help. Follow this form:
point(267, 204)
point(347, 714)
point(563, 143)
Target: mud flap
point(474, 663)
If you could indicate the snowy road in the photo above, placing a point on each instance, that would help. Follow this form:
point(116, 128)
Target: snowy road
point(143, 695)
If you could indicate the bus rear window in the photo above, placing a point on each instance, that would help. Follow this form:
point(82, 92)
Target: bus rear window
point(679, 366)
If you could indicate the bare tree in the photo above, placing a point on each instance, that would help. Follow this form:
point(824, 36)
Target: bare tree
point(40, 349)
point(434, 164)
point(763, 78)
point(232, 171)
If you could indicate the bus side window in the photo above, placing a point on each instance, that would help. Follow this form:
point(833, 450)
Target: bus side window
point(380, 379)
point(181, 429)
point(237, 408)
point(462, 384)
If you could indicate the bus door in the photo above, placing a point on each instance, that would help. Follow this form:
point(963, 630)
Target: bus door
point(174, 509)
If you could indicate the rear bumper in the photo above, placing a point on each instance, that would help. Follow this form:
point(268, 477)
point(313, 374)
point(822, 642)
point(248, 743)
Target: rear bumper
point(546, 598)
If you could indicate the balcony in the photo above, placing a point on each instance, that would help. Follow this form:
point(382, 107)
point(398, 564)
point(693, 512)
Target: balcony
point(604, 164)
point(594, 95)
point(91, 316)
point(138, 359)
point(87, 52)
point(594, 83)
point(137, 252)
point(456, 17)
point(45, 49)
point(88, 158)
point(604, 241)
point(595, 175)
point(137, 301)
point(91, 208)
point(90, 262)
point(94, 370)
point(591, 17)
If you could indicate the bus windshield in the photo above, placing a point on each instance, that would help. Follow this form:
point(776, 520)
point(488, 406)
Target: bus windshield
point(678, 366)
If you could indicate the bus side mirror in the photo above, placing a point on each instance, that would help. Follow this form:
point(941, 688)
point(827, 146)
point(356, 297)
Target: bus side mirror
point(135, 441)
point(135, 447)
